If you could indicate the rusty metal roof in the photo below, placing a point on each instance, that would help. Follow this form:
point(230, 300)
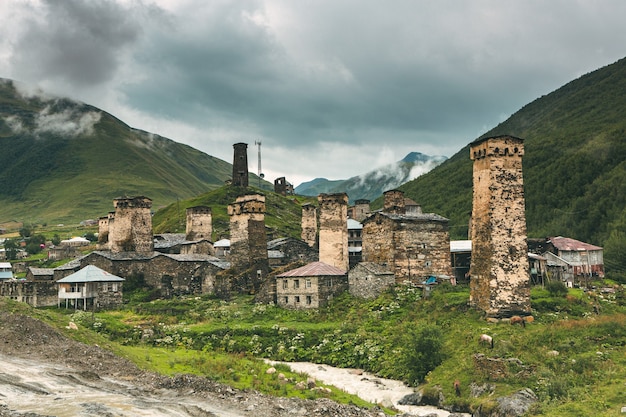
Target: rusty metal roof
point(573, 245)
point(314, 269)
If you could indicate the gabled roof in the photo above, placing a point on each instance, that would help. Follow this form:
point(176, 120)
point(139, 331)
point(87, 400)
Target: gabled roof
point(314, 269)
point(90, 273)
point(573, 245)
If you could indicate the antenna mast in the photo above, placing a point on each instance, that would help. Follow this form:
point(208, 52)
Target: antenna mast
point(260, 173)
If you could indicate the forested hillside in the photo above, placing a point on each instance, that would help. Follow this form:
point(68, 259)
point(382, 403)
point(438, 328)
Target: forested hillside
point(574, 166)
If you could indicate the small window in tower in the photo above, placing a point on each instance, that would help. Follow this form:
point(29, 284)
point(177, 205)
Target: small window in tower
point(297, 298)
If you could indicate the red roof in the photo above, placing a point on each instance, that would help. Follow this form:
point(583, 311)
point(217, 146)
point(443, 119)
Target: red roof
point(572, 245)
point(314, 269)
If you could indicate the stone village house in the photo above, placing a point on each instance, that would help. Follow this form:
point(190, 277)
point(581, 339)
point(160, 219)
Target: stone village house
point(310, 286)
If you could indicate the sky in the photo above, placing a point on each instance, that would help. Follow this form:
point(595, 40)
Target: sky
point(330, 88)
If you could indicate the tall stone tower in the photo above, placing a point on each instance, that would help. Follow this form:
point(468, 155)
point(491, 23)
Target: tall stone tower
point(130, 229)
point(248, 241)
point(333, 242)
point(309, 224)
point(500, 280)
point(240, 165)
point(199, 223)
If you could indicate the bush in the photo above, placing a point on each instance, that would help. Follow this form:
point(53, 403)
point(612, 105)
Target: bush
point(423, 353)
point(556, 288)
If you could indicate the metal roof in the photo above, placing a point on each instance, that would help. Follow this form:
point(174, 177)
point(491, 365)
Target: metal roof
point(314, 269)
point(569, 244)
point(90, 273)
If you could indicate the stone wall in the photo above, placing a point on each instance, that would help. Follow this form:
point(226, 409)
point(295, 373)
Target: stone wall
point(413, 247)
point(35, 293)
point(333, 241)
point(309, 224)
point(171, 274)
point(199, 223)
point(369, 280)
point(130, 230)
point(500, 282)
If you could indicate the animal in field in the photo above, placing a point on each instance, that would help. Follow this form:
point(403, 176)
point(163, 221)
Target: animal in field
point(518, 320)
point(457, 387)
point(486, 339)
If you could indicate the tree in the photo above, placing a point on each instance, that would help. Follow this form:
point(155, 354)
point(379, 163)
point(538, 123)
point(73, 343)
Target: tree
point(11, 246)
point(424, 352)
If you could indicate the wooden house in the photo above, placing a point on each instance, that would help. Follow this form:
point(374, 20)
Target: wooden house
point(90, 287)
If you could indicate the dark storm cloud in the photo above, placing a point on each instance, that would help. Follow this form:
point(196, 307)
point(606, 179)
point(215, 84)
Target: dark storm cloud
point(318, 81)
point(74, 41)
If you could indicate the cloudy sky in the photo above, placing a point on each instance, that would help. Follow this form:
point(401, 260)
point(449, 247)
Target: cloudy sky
point(331, 88)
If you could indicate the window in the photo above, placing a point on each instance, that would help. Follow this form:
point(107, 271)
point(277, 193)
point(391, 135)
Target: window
point(296, 283)
point(297, 298)
point(308, 283)
point(286, 300)
point(309, 299)
point(285, 284)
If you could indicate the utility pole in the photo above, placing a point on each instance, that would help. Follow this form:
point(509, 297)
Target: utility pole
point(259, 173)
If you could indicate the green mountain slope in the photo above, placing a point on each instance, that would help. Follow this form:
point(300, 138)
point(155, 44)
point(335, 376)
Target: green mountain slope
point(574, 166)
point(282, 218)
point(63, 161)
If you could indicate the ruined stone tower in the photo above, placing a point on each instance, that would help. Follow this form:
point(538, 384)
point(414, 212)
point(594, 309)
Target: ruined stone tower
point(199, 223)
point(309, 224)
point(240, 165)
point(500, 281)
point(333, 242)
point(130, 228)
point(248, 241)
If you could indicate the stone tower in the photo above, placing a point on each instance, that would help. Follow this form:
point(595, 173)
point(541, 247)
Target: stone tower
point(333, 242)
point(394, 202)
point(361, 209)
point(240, 165)
point(130, 228)
point(309, 224)
point(248, 241)
point(500, 281)
point(199, 223)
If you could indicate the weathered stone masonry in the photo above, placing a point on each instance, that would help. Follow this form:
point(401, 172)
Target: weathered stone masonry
point(413, 245)
point(500, 282)
point(333, 237)
point(309, 224)
point(130, 229)
point(248, 239)
point(199, 223)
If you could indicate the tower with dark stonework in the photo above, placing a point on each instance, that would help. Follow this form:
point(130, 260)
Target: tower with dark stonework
point(240, 165)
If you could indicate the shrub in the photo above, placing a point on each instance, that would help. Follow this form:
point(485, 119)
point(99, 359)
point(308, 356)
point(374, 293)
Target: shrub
point(556, 288)
point(423, 352)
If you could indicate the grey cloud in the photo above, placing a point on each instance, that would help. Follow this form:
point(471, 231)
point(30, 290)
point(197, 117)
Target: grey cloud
point(78, 42)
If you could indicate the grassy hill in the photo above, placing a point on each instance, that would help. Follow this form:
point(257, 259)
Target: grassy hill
point(63, 161)
point(282, 218)
point(574, 166)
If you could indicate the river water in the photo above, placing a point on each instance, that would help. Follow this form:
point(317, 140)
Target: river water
point(366, 386)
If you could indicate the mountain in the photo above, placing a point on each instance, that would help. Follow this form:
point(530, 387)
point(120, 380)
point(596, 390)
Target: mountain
point(574, 166)
point(65, 161)
point(372, 184)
